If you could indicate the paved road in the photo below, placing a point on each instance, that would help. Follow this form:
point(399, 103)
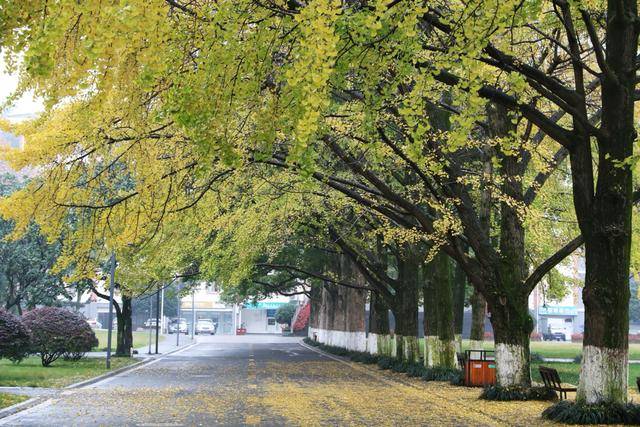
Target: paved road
point(262, 380)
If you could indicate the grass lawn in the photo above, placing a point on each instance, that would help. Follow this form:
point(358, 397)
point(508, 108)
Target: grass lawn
point(561, 350)
point(61, 373)
point(140, 339)
point(7, 399)
point(570, 372)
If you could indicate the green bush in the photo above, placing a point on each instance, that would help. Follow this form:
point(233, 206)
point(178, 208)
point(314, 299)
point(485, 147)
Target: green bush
point(437, 373)
point(496, 392)
point(453, 376)
point(311, 342)
point(363, 357)
point(386, 362)
point(603, 413)
point(416, 370)
point(285, 313)
point(399, 366)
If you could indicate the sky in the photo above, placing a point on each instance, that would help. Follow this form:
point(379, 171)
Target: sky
point(25, 107)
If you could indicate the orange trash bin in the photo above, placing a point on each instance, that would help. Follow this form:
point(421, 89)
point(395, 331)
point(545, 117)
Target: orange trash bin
point(479, 368)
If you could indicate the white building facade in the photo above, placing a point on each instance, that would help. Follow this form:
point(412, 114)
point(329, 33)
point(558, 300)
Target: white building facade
point(205, 302)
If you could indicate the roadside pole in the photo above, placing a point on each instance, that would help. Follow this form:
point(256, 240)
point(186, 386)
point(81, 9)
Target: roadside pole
point(150, 314)
point(193, 313)
point(162, 328)
point(179, 304)
point(157, 317)
point(111, 286)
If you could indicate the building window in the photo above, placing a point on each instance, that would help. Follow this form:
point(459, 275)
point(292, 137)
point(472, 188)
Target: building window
point(271, 321)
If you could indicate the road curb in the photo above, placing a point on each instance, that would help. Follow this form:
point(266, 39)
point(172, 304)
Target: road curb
point(124, 369)
point(34, 401)
point(18, 407)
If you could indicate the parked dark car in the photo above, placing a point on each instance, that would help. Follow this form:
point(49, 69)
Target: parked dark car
point(554, 336)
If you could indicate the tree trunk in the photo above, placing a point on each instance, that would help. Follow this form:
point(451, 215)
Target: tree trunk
point(315, 299)
point(512, 326)
point(405, 308)
point(378, 315)
point(378, 336)
point(431, 341)
point(606, 227)
point(444, 301)
point(406, 331)
point(125, 329)
point(478, 312)
point(459, 290)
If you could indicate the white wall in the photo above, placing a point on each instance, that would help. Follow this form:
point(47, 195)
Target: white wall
point(255, 321)
point(356, 341)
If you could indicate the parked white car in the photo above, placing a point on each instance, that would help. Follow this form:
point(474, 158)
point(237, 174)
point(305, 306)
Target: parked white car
point(150, 323)
point(206, 326)
point(178, 324)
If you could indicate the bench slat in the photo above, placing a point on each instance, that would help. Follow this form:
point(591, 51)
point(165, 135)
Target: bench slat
point(552, 380)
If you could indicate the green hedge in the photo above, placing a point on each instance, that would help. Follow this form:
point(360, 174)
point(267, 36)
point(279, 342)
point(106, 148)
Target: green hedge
point(569, 412)
point(500, 393)
point(454, 376)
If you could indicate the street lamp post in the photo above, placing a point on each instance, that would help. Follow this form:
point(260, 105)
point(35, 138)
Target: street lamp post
point(178, 330)
point(111, 286)
point(157, 318)
point(193, 313)
point(162, 328)
point(150, 314)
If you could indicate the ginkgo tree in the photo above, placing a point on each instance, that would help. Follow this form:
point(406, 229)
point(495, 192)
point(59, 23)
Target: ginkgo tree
point(152, 104)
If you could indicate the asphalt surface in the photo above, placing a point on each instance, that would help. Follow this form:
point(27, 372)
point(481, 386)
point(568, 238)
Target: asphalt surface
point(205, 384)
point(267, 380)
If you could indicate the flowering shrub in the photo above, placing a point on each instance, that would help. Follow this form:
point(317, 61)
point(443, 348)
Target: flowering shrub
point(56, 331)
point(15, 339)
point(576, 337)
point(303, 318)
point(634, 338)
point(82, 339)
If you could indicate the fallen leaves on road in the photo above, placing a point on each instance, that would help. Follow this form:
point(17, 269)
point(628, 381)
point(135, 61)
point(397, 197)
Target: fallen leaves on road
point(307, 393)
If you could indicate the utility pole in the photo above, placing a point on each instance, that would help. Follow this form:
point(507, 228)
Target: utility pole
point(193, 313)
point(179, 304)
point(111, 286)
point(162, 311)
point(157, 317)
point(149, 320)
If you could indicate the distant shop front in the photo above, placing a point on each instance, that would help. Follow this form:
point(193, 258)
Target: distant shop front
point(260, 318)
point(220, 314)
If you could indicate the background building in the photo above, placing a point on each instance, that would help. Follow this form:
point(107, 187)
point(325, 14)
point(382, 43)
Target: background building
point(256, 318)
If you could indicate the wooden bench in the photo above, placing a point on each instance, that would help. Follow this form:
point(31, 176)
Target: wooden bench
point(551, 380)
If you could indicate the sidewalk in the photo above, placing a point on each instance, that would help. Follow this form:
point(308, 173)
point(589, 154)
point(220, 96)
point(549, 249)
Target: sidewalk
point(30, 391)
point(166, 345)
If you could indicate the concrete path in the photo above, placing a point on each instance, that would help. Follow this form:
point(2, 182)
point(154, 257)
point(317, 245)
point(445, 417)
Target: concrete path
point(30, 391)
point(164, 346)
point(265, 380)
